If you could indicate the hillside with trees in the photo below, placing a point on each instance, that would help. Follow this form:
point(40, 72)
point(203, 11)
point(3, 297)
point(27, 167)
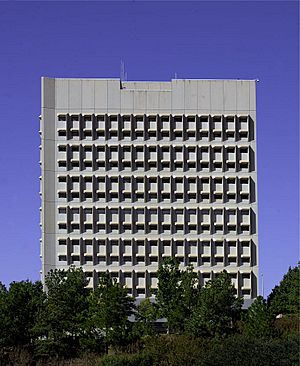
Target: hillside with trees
point(70, 324)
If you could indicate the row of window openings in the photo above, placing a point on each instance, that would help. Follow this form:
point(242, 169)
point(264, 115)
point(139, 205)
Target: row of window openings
point(154, 157)
point(155, 188)
point(138, 250)
point(158, 127)
point(155, 260)
point(141, 283)
point(157, 247)
point(154, 220)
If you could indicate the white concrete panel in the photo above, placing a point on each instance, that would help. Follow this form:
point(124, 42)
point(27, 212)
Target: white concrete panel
point(48, 93)
point(62, 94)
point(166, 86)
point(49, 155)
point(49, 219)
point(140, 100)
point(134, 85)
point(48, 124)
point(153, 85)
point(243, 95)
point(141, 85)
point(152, 101)
point(230, 95)
point(48, 253)
point(204, 95)
point(252, 91)
point(165, 99)
point(101, 95)
point(204, 111)
point(127, 100)
point(75, 95)
point(217, 95)
point(49, 185)
point(88, 94)
point(191, 95)
point(88, 111)
point(177, 94)
point(113, 95)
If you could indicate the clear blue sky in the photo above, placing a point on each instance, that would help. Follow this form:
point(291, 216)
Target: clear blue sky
point(237, 39)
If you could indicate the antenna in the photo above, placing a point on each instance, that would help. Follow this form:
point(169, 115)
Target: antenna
point(175, 76)
point(262, 286)
point(123, 73)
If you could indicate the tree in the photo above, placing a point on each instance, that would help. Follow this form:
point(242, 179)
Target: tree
point(109, 310)
point(18, 312)
point(190, 290)
point(145, 316)
point(258, 319)
point(62, 317)
point(284, 299)
point(175, 294)
point(4, 318)
point(217, 308)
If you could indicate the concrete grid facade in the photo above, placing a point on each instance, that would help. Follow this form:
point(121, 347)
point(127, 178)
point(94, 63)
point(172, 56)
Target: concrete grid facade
point(133, 172)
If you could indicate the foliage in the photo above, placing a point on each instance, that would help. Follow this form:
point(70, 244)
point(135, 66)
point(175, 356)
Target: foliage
point(175, 349)
point(109, 309)
point(239, 350)
point(139, 359)
point(287, 326)
point(68, 320)
point(145, 316)
point(176, 294)
point(62, 317)
point(284, 298)
point(217, 308)
point(258, 319)
point(19, 307)
point(4, 316)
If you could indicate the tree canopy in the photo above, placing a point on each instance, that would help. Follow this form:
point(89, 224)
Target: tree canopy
point(175, 294)
point(19, 307)
point(109, 310)
point(284, 298)
point(62, 317)
point(216, 309)
point(258, 319)
point(66, 319)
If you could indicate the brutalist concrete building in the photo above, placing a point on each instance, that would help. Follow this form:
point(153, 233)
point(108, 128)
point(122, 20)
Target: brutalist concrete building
point(133, 172)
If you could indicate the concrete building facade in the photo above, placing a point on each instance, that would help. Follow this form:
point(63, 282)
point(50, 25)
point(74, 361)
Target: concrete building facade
point(133, 172)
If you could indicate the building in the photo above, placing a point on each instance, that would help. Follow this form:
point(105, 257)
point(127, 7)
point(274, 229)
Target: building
point(133, 172)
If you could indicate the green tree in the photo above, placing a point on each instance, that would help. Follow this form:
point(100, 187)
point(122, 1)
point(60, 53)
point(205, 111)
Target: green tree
point(62, 317)
point(145, 316)
point(176, 294)
point(109, 310)
point(258, 319)
point(217, 308)
point(19, 308)
point(190, 290)
point(284, 298)
point(4, 320)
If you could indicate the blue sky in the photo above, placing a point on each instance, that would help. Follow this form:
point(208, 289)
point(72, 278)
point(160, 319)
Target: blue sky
point(238, 39)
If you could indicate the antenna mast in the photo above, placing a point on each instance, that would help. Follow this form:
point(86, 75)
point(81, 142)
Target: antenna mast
point(123, 73)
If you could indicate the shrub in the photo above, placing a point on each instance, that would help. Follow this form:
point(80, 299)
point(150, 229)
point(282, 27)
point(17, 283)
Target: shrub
point(240, 350)
point(175, 350)
point(287, 326)
point(139, 359)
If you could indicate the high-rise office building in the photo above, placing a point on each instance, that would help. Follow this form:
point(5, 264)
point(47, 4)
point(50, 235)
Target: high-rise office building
point(133, 172)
